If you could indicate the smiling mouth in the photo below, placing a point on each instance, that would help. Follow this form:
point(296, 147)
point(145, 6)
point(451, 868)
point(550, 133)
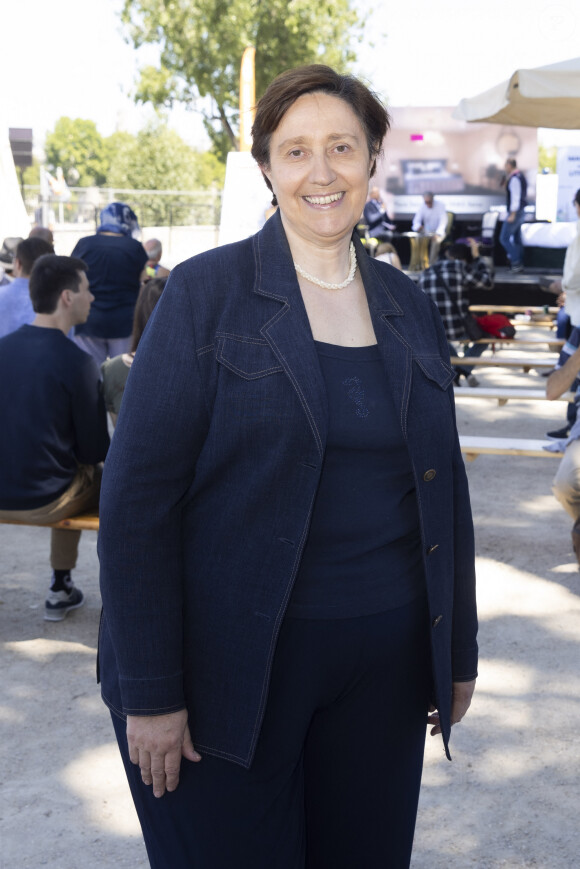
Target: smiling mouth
point(324, 200)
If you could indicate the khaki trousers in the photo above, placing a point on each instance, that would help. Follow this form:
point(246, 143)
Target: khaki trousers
point(566, 485)
point(81, 495)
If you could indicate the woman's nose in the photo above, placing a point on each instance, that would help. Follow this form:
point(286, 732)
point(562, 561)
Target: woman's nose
point(321, 171)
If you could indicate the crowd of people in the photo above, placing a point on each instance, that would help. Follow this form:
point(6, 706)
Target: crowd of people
point(296, 602)
point(61, 318)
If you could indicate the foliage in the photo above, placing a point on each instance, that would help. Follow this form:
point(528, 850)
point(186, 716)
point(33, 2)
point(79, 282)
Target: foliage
point(77, 147)
point(547, 158)
point(31, 175)
point(158, 159)
point(201, 46)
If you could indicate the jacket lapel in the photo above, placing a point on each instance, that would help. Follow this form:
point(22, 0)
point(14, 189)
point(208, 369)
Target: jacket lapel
point(288, 331)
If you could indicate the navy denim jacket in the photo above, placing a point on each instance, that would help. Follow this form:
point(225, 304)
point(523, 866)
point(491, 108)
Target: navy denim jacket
point(211, 476)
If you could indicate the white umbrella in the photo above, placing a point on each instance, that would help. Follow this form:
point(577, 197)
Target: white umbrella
point(548, 96)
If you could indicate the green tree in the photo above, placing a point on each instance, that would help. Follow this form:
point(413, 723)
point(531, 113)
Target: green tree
point(79, 149)
point(31, 175)
point(201, 46)
point(159, 159)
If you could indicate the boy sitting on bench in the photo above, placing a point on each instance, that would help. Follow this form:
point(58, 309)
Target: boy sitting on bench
point(54, 429)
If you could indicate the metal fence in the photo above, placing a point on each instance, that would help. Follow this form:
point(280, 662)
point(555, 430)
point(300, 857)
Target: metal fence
point(152, 207)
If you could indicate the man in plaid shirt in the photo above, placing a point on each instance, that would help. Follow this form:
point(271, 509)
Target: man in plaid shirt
point(447, 282)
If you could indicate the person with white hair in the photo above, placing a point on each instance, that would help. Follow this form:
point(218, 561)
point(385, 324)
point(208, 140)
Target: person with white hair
point(154, 250)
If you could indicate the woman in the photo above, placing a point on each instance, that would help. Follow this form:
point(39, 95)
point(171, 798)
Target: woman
point(116, 263)
point(286, 539)
point(115, 371)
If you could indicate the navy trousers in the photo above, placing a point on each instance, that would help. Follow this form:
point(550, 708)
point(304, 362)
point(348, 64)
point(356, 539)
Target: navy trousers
point(336, 776)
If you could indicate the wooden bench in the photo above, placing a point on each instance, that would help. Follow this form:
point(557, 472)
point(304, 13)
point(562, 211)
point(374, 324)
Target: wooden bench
point(512, 309)
point(85, 522)
point(502, 362)
point(508, 393)
point(554, 344)
point(473, 446)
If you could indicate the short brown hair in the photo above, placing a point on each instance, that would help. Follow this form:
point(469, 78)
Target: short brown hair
point(28, 251)
point(50, 275)
point(286, 88)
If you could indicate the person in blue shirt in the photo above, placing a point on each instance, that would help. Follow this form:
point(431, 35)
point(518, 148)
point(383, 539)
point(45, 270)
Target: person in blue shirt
point(15, 305)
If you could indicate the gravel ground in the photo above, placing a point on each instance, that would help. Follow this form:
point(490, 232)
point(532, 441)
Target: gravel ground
point(509, 799)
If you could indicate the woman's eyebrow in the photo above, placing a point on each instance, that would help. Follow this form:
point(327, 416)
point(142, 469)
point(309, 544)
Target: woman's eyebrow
point(301, 140)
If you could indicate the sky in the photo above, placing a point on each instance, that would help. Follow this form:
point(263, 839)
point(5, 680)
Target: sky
point(69, 57)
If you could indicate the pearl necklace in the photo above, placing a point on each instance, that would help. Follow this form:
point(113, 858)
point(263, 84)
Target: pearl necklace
point(324, 284)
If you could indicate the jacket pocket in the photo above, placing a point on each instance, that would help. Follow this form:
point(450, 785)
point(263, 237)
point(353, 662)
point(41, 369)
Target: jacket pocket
point(436, 369)
point(249, 358)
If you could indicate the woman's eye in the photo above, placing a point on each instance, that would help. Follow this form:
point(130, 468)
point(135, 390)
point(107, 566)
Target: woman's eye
point(342, 149)
point(296, 153)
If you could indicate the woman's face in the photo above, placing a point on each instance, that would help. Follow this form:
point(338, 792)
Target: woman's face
point(319, 168)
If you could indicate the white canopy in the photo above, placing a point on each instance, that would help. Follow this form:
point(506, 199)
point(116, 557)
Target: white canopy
point(13, 218)
point(548, 96)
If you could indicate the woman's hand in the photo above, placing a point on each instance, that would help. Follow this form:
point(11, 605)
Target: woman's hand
point(460, 703)
point(156, 745)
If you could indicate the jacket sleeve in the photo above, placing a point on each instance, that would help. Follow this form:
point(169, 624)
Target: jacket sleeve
point(464, 649)
point(149, 470)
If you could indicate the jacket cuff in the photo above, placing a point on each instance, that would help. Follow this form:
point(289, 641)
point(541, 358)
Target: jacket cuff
point(152, 696)
point(464, 665)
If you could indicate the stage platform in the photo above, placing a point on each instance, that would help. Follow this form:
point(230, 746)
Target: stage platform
point(519, 288)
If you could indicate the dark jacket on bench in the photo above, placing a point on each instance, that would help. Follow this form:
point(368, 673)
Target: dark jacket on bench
point(211, 477)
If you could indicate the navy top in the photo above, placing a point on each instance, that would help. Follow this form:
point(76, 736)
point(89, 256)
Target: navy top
point(363, 554)
point(54, 416)
point(115, 263)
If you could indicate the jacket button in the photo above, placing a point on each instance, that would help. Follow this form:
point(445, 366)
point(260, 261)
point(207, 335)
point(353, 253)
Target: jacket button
point(429, 475)
point(432, 548)
point(436, 621)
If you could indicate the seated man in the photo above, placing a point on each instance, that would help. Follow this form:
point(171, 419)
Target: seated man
point(431, 219)
point(154, 251)
point(376, 217)
point(15, 305)
point(447, 282)
point(566, 485)
point(54, 429)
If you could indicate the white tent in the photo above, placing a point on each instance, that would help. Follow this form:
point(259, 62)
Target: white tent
point(14, 220)
point(548, 96)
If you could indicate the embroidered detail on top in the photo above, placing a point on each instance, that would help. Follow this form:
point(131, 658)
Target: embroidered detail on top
point(356, 393)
